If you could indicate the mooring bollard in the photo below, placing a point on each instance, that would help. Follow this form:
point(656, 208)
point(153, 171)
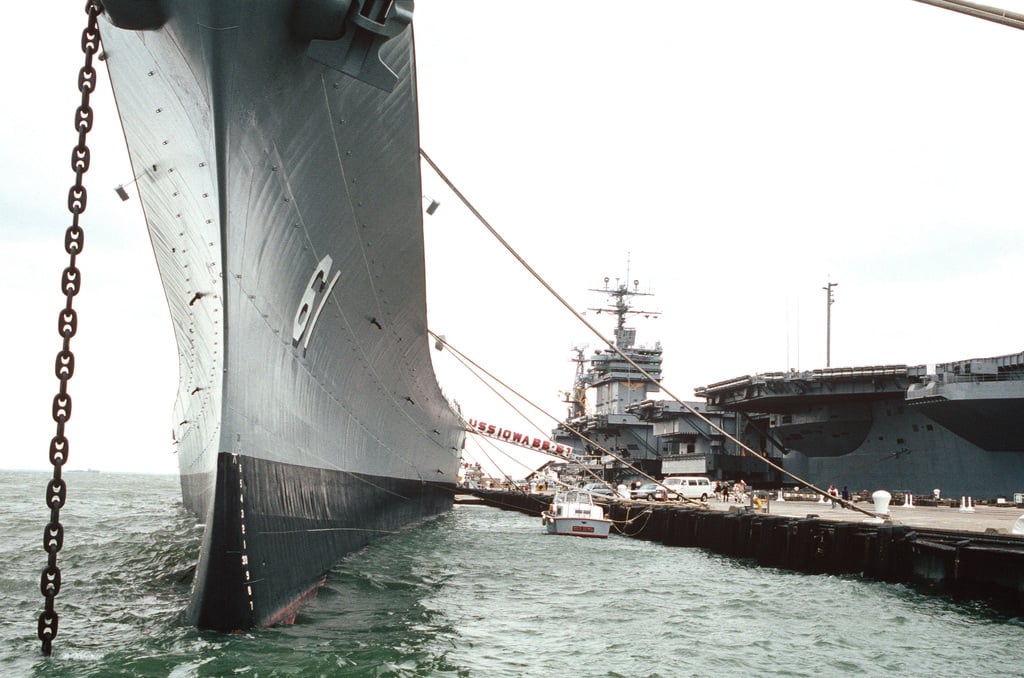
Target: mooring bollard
point(881, 499)
point(966, 504)
point(908, 500)
point(780, 498)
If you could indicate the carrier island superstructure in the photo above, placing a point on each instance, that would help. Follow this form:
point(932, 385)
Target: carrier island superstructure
point(616, 426)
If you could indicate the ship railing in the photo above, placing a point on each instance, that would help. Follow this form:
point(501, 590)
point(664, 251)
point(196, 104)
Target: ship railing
point(832, 373)
point(961, 378)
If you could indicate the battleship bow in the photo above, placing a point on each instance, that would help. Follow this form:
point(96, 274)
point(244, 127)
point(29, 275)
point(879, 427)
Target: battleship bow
point(276, 149)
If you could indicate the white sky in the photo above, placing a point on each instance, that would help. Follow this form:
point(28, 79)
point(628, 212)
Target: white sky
point(738, 155)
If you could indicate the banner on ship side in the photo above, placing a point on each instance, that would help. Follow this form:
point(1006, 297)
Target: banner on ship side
point(516, 438)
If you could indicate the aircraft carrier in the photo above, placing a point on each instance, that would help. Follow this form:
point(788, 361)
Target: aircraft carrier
point(275, 146)
point(959, 430)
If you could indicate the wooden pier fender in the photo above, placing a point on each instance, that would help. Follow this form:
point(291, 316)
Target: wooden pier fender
point(742, 546)
point(890, 557)
point(688, 525)
point(934, 564)
point(770, 540)
point(847, 553)
point(714, 532)
point(966, 569)
point(655, 527)
point(618, 514)
point(673, 528)
point(990, 571)
point(814, 542)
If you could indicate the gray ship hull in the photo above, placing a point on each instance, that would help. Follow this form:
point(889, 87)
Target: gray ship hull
point(284, 205)
point(863, 428)
point(981, 399)
point(904, 450)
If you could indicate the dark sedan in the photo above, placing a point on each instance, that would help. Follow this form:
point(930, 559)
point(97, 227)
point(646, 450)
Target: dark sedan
point(650, 492)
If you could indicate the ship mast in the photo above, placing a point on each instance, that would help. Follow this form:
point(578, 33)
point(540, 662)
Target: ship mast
point(620, 294)
point(829, 300)
point(577, 398)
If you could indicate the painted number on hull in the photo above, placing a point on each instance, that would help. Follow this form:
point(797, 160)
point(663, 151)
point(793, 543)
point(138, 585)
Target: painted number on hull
point(305, 317)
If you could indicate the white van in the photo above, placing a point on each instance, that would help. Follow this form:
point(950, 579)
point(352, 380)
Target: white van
point(690, 487)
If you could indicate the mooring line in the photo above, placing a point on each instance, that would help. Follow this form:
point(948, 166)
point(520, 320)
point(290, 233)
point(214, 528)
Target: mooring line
point(612, 346)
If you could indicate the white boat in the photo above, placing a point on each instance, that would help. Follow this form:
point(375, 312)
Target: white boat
point(574, 513)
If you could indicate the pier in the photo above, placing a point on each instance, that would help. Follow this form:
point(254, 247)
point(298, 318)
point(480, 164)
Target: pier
point(965, 554)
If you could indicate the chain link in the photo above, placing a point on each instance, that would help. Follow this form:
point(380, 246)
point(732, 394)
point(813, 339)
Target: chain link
point(67, 326)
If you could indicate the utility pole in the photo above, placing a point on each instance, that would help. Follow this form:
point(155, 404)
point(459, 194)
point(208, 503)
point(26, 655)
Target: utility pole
point(830, 299)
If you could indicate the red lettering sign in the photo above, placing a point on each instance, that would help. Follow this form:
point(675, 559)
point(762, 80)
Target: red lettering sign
point(518, 438)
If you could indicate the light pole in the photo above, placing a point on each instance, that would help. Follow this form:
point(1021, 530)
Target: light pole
point(830, 299)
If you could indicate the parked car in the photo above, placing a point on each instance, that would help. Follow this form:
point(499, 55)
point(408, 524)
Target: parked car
point(690, 487)
point(600, 490)
point(650, 492)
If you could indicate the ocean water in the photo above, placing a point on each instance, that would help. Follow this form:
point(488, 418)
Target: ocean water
point(475, 592)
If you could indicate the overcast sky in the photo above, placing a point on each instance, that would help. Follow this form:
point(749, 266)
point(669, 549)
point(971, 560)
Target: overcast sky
point(732, 157)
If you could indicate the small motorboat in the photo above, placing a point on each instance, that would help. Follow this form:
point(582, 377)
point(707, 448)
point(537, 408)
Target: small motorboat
point(574, 513)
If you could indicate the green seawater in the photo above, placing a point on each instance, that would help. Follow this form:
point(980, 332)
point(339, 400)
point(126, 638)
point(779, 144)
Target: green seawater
point(476, 592)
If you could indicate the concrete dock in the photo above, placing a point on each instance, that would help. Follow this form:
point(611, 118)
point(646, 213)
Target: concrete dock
point(982, 520)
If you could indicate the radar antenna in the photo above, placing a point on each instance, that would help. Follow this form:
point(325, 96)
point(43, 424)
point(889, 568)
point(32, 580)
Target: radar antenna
point(620, 306)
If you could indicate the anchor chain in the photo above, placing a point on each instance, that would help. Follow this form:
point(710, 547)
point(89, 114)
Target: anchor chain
point(67, 326)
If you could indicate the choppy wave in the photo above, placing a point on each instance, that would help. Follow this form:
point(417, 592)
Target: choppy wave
point(476, 592)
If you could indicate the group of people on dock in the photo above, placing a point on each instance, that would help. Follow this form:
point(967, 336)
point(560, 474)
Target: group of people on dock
point(833, 494)
point(736, 493)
